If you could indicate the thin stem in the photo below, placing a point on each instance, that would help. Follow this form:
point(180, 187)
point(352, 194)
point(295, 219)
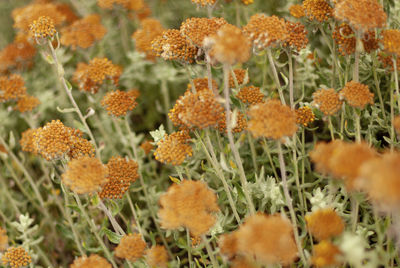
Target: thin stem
point(60, 72)
point(111, 218)
point(253, 151)
point(136, 218)
point(356, 77)
point(296, 171)
point(189, 250)
point(271, 162)
point(357, 125)
point(210, 253)
point(378, 88)
point(354, 213)
point(289, 201)
point(166, 98)
point(396, 81)
point(209, 74)
point(275, 74)
point(291, 97)
point(235, 151)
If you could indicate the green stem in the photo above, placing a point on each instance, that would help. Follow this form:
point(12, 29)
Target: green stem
point(396, 81)
point(166, 98)
point(358, 126)
point(378, 88)
point(189, 250)
point(210, 253)
point(275, 74)
point(356, 68)
point(331, 129)
point(291, 97)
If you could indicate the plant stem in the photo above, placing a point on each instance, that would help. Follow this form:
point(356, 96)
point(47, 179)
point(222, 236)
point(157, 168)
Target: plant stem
point(235, 151)
point(396, 81)
point(356, 77)
point(137, 223)
point(111, 218)
point(378, 88)
point(275, 74)
point(291, 97)
point(289, 201)
point(357, 124)
point(189, 250)
point(166, 98)
point(331, 130)
point(210, 253)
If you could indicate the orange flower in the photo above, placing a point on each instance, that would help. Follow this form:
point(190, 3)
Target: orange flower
point(189, 204)
point(391, 41)
point(90, 77)
point(3, 239)
point(228, 245)
point(387, 61)
point(297, 11)
point(204, 2)
point(16, 257)
point(118, 103)
point(88, 262)
point(250, 95)
point(84, 32)
point(357, 94)
point(150, 30)
point(240, 76)
point(173, 149)
point(327, 101)
point(17, 55)
point(131, 247)
point(297, 38)
point(325, 254)
point(361, 15)
point(240, 123)
point(318, 10)
point(201, 84)
point(195, 30)
point(121, 173)
point(27, 103)
point(27, 141)
point(135, 5)
point(85, 175)
point(304, 116)
point(272, 120)
point(344, 37)
point(157, 256)
point(42, 28)
point(12, 87)
point(147, 146)
point(324, 224)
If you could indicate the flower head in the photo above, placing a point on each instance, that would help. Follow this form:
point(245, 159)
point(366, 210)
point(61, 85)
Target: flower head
point(344, 37)
point(241, 78)
point(27, 103)
point(304, 116)
point(135, 5)
point(3, 239)
point(318, 10)
point(27, 141)
point(391, 41)
point(361, 15)
point(42, 28)
point(297, 11)
point(325, 254)
point(88, 262)
point(118, 103)
point(131, 247)
point(387, 61)
point(85, 175)
point(327, 101)
point(272, 120)
point(157, 256)
point(173, 149)
point(150, 30)
point(266, 31)
point(357, 94)
point(204, 2)
point(17, 55)
point(147, 146)
point(121, 173)
point(16, 257)
point(197, 29)
point(189, 204)
point(202, 84)
point(324, 224)
point(12, 87)
point(90, 77)
point(229, 45)
point(84, 32)
point(297, 38)
point(250, 95)
point(171, 45)
point(240, 122)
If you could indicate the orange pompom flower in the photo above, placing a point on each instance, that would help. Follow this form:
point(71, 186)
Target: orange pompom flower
point(325, 254)
point(27, 103)
point(173, 149)
point(88, 262)
point(297, 38)
point(42, 28)
point(12, 87)
point(240, 75)
point(204, 2)
point(318, 10)
point(250, 95)
point(297, 11)
point(391, 41)
point(238, 119)
point(150, 30)
point(189, 204)
point(3, 239)
point(327, 101)
point(131, 247)
point(16, 257)
point(202, 84)
point(324, 224)
point(85, 175)
point(157, 257)
point(118, 103)
point(197, 29)
point(357, 94)
point(304, 116)
point(17, 55)
point(272, 120)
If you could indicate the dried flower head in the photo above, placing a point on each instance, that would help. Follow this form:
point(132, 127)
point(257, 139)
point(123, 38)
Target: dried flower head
point(131, 247)
point(297, 38)
point(318, 10)
point(250, 95)
point(197, 29)
point(381, 180)
point(196, 110)
point(85, 175)
point(324, 224)
point(238, 119)
point(267, 238)
point(3, 239)
point(173, 149)
point(304, 116)
point(229, 45)
point(344, 37)
point(150, 30)
point(88, 262)
point(272, 120)
point(357, 94)
point(147, 146)
point(67, 11)
point(297, 11)
point(201, 84)
point(118, 103)
point(228, 245)
point(171, 45)
point(396, 124)
point(189, 204)
point(27, 141)
point(325, 254)
point(157, 257)
point(27, 103)
point(247, 2)
point(90, 77)
point(361, 15)
point(391, 41)
point(121, 173)
point(16, 257)
point(12, 87)
point(266, 31)
point(387, 61)
point(135, 5)
point(42, 28)
point(84, 32)
point(332, 158)
point(327, 101)
point(241, 78)
point(24, 16)
point(17, 55)
point(204, 2)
